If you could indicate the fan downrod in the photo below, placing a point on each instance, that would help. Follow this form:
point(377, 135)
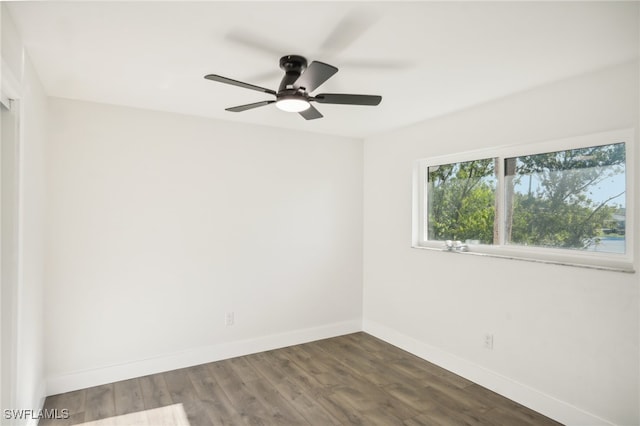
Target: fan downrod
point(293, 66)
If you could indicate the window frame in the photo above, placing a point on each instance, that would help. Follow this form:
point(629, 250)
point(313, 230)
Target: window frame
point(598, 260)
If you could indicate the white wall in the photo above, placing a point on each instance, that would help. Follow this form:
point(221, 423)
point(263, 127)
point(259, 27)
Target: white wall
point(159, 224)
point(32, 106)
point(566, 338)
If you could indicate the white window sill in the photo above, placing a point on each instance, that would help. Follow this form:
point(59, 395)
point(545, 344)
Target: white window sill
point(599, 262)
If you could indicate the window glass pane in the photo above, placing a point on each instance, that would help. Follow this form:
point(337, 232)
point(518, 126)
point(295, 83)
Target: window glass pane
point(461, 201)
point(572, 199)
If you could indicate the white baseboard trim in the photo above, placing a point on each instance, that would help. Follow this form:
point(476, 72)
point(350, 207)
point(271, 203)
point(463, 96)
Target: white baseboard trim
point(87, 378)
point(522, 394)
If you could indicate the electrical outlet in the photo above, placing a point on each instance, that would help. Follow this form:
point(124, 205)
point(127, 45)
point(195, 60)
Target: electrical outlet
point(229, 318)
point(488, 341)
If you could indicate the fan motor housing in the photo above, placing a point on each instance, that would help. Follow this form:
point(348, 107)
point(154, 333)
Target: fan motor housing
point(293, 62)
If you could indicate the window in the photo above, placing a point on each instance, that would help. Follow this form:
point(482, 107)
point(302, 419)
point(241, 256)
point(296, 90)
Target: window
point(461, 201)
point(562, 201)
point(570, 199)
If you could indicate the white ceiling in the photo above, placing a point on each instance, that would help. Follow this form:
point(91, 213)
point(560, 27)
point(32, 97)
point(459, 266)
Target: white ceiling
point(425, 58)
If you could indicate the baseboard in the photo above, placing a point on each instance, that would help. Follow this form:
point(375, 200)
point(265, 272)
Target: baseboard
point(201, 355)
point(522, 394)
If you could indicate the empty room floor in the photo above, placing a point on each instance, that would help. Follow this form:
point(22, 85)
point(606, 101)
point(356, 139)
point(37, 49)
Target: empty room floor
point(351, 379)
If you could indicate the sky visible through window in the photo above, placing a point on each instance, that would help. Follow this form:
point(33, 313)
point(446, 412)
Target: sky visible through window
point(613, 185)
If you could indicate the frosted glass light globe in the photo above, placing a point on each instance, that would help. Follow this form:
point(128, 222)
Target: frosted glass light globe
point(292, 104)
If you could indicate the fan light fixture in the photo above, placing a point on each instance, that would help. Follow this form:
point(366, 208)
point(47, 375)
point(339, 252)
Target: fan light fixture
point(292, 104)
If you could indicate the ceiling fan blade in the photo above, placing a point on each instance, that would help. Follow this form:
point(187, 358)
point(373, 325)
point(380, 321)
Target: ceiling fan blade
point(257, 42)
point(346, 99)
point(249, 106)
point(347, 31)
point(226, 80)
point(376, 64)
point(315, 74)
point(310, 113)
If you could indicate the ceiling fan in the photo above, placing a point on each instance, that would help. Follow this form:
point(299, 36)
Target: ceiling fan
point(298, 82)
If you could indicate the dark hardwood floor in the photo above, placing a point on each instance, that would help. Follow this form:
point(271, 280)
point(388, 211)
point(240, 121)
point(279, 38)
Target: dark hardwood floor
point(353, 379)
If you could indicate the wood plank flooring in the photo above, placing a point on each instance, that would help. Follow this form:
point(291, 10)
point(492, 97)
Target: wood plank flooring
point(349, 380)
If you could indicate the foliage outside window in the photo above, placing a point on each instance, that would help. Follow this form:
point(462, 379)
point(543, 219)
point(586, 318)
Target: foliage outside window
point(572, 201)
